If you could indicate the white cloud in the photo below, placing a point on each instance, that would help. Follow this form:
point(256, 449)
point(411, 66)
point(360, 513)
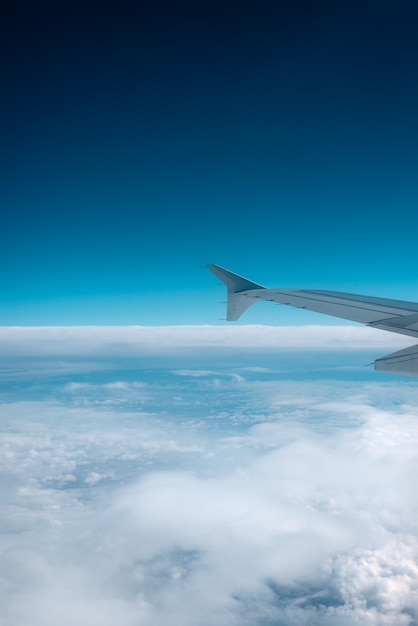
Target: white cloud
point(131, 340)
point(219, 501)
point(94, 478)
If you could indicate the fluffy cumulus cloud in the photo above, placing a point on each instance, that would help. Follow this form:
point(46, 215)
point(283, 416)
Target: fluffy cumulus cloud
point(153, 495)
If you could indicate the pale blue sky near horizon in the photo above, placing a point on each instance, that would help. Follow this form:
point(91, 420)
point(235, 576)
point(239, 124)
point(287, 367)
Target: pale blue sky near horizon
point(140, 143)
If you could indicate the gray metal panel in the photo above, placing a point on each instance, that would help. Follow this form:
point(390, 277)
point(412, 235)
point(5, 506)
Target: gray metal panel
point(236, 306)
point(393, 315)
point(234, 282)
point(402, 362)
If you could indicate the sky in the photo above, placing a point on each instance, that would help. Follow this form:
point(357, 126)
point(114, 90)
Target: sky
point(158, 466)
point(141, 141)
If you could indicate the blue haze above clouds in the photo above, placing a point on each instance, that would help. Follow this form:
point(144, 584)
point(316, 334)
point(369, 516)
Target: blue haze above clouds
point(165, 473)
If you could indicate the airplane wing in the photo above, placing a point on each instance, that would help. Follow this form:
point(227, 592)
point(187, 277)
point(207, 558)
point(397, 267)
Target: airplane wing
point(392, 315)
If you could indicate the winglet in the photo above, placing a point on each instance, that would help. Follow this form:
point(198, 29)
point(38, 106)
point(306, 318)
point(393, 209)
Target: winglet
point(235, 284)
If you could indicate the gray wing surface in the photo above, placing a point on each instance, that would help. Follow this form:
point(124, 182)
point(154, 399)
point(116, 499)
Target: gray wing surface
point(393, 315)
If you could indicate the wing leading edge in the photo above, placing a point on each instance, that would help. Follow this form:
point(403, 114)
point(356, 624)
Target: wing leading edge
point(393, 315)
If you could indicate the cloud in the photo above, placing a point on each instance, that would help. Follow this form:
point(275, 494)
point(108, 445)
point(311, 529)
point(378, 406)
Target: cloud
point(212, 500)
point(131, 340)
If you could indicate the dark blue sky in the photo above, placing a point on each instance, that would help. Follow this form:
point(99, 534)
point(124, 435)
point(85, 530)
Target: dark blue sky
point(139, 142)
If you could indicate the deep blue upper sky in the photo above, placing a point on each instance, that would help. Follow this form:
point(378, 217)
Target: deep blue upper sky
point(139, 142)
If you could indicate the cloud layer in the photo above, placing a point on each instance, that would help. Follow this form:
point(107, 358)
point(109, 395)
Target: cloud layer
point(128, 340)
point(222, 496)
